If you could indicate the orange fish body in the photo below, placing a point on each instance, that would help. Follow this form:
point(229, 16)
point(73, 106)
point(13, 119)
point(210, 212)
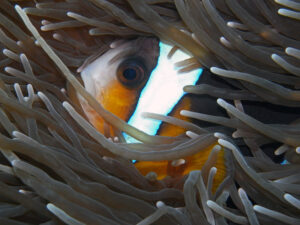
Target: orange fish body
point(176, 170)
point(116, 80)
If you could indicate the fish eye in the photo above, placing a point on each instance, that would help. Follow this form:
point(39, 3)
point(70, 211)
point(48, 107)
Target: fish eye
point(131, 73)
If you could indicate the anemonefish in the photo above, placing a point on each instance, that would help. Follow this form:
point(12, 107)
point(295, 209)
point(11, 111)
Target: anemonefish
point(136, 76)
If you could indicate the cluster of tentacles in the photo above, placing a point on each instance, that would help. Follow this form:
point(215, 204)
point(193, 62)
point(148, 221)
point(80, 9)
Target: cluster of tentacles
point(55, 167)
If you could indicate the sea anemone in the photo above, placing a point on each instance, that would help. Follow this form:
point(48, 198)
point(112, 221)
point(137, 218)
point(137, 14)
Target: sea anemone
point(56, 168)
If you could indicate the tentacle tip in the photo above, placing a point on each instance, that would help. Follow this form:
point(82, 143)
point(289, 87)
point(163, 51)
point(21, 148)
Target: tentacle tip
point(217, 135)
point(221, 142)
point(288, 50)
point(283, 12)
point(277, 152)
point(91, 32)
point(50, 206)
point(55, 36)
point(26, 10)
point(63, 90)
point(20, 43)
point(220, 101)
point(15, 162)
point(45, 22)
point(65, 104)
point(186, 88)
point(17, 7)
point(22, 191)
point(214, 169)
point(229, 23)
point(275, 57)
point(287, 196)
point(183, 112)
point(191, 134)
point(241, 191)
point(40, 94)
point(5, 51)
point(213, 69)
point(235, 134)
point(116, 139)
point(209, 203)
point(178, 162)
point(16, 85)
point(217, 147)
point(159, 204)
point(15, 133)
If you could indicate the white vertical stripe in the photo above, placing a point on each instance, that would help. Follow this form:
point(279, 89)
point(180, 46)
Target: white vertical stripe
point(163, 90)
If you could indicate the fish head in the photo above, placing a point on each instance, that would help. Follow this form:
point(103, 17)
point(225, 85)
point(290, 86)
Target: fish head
point(116, 78)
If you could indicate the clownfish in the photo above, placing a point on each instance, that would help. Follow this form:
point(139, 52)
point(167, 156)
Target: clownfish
point(136, 76)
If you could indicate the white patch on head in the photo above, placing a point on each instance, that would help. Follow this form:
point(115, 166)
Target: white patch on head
point(163, 90)
point(97, 75)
